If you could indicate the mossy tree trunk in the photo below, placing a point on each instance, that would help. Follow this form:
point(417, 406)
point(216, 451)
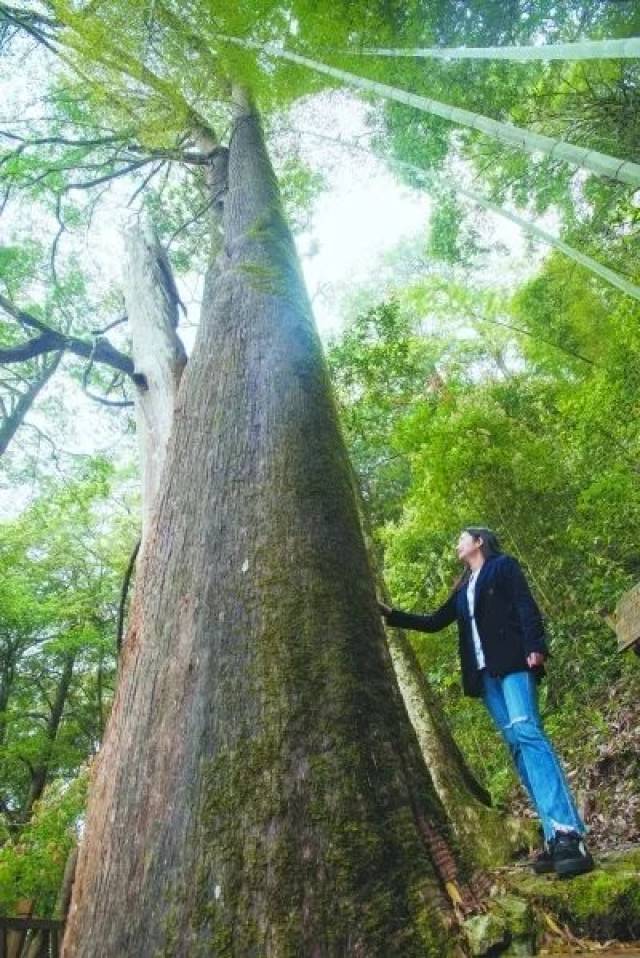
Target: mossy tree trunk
point(489, 836)
point(260, 790)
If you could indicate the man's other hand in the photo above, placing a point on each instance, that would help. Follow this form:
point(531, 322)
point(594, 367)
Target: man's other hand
point(535, 659)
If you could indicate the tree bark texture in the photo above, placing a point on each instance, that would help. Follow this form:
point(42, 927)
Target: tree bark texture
point(260, 790)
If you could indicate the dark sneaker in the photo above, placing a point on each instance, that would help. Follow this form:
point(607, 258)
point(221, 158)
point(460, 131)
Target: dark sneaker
point(542, 864)
point(570, 855)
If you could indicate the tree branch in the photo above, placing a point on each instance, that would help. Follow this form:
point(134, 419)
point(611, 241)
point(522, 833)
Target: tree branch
point(101, 350)
point(46, 343)
point(156, 169)
point(32, 23)
point(129, 168)
point(105, 329)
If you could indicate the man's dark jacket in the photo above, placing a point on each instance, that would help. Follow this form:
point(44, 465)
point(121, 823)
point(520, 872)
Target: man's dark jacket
point(507, 618)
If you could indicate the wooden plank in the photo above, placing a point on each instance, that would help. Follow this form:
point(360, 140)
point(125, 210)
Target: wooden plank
point(627, 618)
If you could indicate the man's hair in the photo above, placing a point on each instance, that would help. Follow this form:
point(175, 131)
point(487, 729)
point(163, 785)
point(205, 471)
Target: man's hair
point(490, 544)
point(490, 547)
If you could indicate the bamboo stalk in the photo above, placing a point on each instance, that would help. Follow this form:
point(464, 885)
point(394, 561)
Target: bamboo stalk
point(624, 171)
point(618, 49)
point(588, 262)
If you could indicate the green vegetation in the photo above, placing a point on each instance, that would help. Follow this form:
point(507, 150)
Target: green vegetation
point(62, 558)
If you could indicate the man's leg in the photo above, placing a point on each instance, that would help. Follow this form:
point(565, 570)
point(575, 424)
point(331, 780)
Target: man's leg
point(494, 700)
point(552, 796)
point(549, 786)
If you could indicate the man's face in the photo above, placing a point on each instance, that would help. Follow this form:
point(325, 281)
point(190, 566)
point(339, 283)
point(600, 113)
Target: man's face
point(467, 546)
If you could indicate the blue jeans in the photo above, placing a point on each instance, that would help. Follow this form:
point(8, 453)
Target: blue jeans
point(512, 702)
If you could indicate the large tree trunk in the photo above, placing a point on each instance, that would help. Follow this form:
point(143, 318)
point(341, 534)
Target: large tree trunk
point(260, 790)
point(152, 312)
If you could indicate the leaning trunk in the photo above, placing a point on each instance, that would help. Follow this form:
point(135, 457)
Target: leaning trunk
point(260, 790)
point(25, 401)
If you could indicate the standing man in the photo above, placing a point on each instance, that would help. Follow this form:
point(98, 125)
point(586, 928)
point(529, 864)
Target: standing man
point(502, 647)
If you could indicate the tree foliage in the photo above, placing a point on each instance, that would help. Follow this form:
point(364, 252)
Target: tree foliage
point(63, 559)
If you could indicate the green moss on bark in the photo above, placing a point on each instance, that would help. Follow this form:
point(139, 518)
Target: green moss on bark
point(371, 896)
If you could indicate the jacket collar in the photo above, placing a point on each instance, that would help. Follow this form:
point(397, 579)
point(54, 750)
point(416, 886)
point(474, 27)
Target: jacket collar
point(482, 575)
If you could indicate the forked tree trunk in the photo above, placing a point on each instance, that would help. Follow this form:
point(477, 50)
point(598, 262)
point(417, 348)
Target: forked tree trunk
point(152, 311)
point(260, 791)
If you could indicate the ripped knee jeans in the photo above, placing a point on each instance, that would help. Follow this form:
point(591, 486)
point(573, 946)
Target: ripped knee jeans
point(512, 701)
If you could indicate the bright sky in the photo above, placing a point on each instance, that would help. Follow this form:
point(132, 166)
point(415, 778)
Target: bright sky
point(364, 212)
point(367, 212)
point(358, 220)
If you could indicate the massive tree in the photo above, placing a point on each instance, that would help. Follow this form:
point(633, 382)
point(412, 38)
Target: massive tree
point(93, 41)
point(152, 313)
point(259, 783)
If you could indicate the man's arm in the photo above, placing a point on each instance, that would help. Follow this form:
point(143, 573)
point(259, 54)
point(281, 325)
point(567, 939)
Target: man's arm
point(438, 620)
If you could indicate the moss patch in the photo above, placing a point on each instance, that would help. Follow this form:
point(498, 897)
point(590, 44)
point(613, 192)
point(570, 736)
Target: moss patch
point(602, 905)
